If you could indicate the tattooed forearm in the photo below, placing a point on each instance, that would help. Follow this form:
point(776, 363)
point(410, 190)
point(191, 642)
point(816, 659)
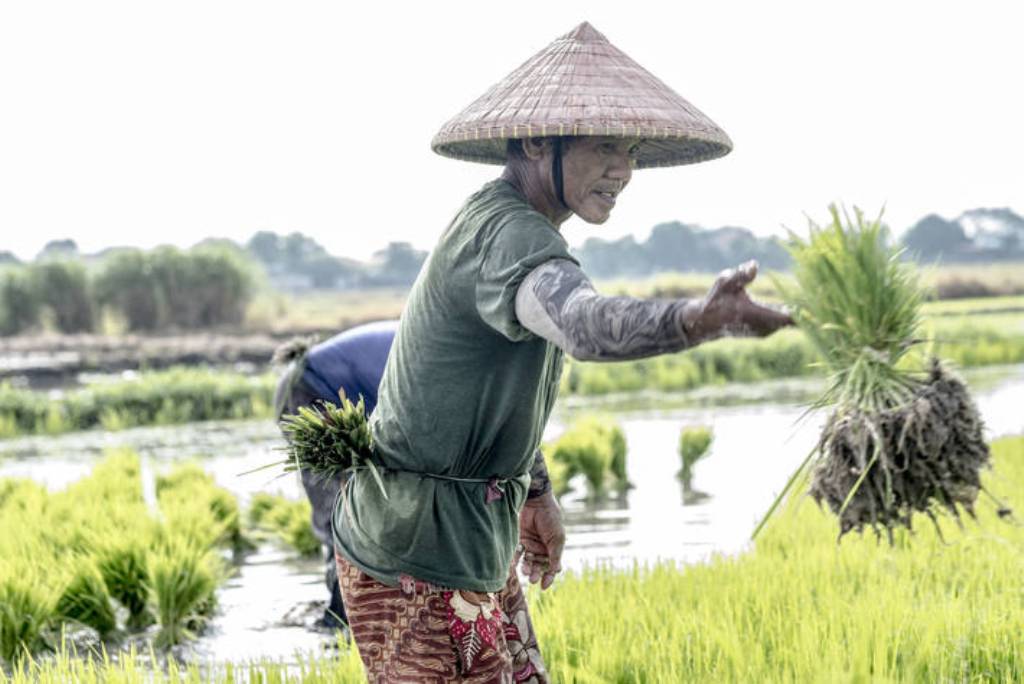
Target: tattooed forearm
point(540, 483)
point(558, 302)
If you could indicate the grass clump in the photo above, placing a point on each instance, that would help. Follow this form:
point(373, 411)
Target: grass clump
point(123, 566)
point(27, 606)
point(903, 436)
point(594, 447)
point(287, 520)
point(185, 575)
point(694, 443)
point(86, 598)
point(95, 553)
point(188, 486)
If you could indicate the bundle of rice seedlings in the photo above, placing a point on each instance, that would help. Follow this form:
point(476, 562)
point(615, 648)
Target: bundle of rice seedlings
point(904, 435)
point(86, 599)
point(187, 485)
point(27, 610)
point(694, 443)
point(329, 440)
point(594, 446)
point(287, 519)
point(123, 565)
point(184, 577)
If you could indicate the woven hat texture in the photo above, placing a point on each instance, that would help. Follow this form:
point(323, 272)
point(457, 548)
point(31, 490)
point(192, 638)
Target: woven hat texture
point(583, 85)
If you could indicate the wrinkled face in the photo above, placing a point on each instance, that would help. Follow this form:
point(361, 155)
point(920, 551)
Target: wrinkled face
point(595, 169)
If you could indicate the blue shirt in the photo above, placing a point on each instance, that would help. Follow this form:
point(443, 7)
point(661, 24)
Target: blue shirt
point(352, 361)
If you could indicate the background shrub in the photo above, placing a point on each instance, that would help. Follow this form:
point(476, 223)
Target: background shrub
point(63, 289)
point(19, 306)
point(126, 285)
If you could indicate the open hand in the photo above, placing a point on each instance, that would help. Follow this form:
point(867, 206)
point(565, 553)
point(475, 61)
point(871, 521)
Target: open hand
point(542, 539)
point(727, 309)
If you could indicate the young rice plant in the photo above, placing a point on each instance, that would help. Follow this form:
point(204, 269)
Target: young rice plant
point(903, 435)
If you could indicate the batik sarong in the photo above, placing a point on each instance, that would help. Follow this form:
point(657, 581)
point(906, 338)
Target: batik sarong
point(417, 633)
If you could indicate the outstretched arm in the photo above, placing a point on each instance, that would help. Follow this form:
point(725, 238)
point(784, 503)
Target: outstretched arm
point(558, 302)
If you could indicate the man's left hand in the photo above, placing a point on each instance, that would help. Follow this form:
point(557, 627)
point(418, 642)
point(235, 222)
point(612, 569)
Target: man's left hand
point(542, 537)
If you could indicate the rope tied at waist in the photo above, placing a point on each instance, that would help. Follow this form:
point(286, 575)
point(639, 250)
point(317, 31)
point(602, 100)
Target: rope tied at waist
point(494, 491)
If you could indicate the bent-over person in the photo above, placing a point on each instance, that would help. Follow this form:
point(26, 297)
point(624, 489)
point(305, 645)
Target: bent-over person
point(349, 364)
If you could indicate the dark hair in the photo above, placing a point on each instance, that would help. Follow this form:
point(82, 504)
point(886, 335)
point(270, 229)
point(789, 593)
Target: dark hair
point(514, 149)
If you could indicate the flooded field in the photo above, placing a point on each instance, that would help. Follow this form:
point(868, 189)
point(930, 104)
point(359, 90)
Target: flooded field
point(268, 606)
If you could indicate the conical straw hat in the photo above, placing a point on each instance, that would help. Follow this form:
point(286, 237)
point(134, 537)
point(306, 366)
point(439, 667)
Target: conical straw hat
point(583, 85)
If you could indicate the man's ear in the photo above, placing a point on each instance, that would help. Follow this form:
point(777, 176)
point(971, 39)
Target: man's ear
point(536, 148)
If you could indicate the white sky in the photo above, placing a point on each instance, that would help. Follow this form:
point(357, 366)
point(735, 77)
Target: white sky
point(144, 123)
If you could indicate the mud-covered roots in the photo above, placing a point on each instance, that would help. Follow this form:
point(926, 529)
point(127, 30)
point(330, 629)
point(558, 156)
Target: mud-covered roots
point(921, 457)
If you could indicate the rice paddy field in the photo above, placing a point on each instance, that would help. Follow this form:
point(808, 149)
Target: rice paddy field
point(664, 584)
point(970, 333)
point(795, 608)
point(137, 546)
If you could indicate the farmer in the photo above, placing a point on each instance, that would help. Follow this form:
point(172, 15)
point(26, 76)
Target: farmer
point(349, 364)
point(427, 573)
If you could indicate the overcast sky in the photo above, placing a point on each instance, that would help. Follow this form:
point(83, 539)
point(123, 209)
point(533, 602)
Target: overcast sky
point(143, 123)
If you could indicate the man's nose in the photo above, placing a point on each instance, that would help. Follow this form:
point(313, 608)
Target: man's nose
point(621, 169)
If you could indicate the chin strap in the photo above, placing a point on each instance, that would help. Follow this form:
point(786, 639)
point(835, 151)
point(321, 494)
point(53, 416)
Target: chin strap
point(556, 171)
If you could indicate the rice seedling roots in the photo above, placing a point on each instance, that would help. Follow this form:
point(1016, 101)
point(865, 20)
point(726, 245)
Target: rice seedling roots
point(879, 468)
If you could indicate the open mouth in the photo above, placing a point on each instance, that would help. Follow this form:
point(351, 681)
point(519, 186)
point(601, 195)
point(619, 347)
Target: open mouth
point(606, 197)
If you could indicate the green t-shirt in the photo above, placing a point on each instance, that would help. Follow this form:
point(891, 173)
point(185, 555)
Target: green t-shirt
point(466, 394)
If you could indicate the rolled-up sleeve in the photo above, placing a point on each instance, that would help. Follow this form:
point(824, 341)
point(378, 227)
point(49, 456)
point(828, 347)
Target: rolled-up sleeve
point(517, 247)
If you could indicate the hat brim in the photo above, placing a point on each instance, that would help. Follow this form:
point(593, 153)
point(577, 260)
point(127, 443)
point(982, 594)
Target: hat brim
point(582, 85)
point(655, 149)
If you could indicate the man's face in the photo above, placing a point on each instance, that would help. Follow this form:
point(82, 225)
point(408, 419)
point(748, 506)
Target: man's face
point(595, 169)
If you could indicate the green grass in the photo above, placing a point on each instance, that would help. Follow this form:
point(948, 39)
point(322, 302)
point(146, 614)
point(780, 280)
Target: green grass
point(961, 307)
point(694, 443)
point(322, 310)
point(947, 283)
point(168, 397)
point(796, 608)
point(96, 550)
point(188, 487)
point(594, 447)
point(287, 520)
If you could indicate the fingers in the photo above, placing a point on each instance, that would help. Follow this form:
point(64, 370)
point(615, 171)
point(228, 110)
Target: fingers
point(555, 547)
point(764, 320)
point(538, 568)
point(734, 279)
point(535, 567)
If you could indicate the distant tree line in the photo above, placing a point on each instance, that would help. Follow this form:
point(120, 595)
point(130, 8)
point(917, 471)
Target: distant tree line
point(674, 247)
point(977, 235)
point(210, 284)
point(296, 261)
point(165, 289)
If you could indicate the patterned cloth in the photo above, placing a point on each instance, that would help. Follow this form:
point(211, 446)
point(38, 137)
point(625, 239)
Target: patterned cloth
point(418, 633)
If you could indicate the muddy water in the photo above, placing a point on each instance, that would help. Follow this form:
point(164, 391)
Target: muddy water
point(268, 606)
